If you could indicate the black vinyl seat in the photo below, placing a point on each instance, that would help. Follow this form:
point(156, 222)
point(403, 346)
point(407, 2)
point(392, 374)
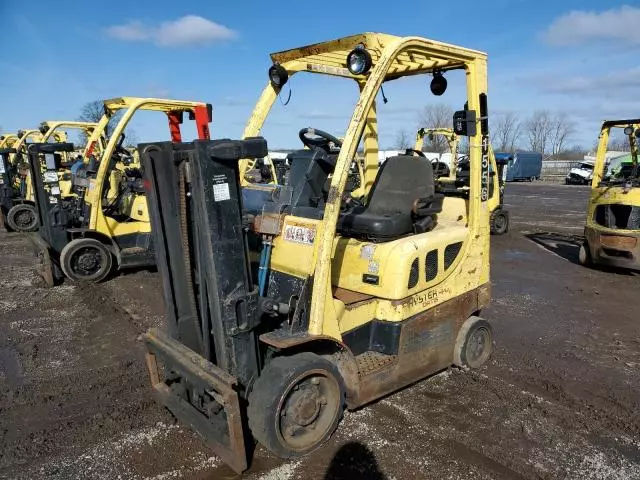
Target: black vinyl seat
point(401, 201)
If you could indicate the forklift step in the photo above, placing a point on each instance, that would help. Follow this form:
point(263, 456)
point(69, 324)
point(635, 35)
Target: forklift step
point(371, 362)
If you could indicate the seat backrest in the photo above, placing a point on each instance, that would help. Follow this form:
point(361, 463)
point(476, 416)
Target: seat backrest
point(308, 175)
point(399, 183)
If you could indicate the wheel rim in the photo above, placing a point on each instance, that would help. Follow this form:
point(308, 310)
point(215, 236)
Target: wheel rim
point(24, 218)
point(478, 347)
point(87, 262)
point(307, 410)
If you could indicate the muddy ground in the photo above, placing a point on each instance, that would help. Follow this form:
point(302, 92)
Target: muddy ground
point(559, 400)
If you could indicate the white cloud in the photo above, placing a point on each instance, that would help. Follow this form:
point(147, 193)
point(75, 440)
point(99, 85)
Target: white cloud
point(616, 84)
point(187, 30)
point(579, 27)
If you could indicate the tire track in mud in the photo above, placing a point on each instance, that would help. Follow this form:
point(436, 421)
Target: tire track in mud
point(72, 372)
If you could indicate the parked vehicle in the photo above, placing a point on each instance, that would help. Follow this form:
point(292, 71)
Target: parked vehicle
point(612, 227)
point(582, 174)
point(521, 166)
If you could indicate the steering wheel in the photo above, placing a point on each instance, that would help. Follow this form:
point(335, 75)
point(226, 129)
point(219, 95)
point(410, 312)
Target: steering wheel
point(312, 137)
point(411, 151)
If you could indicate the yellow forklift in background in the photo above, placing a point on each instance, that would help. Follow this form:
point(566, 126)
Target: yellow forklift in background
point(96, 142)
point(17, 207)
point(287, 303)
point(456, 176)
point(20, 203)
point(106, 223)
point(612, 230)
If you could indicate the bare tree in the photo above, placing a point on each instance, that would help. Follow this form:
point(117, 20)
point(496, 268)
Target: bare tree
point(561, 130)
point(436, 116)
point(131, 138)
point(403, 140)
point(506, 132)
point(618, 141)
point(93, 112)
point(549, 134)
point(539, 129)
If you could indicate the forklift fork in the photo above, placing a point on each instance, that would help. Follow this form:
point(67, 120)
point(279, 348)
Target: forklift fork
point(227, 440)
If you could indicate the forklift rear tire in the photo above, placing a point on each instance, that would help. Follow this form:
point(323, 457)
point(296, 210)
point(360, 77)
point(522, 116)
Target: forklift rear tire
point(86, 260)
point(499, 222)
point(474, 345)
point(22, 218)
point(296, 404)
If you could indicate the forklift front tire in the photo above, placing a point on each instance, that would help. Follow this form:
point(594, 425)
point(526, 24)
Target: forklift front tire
point(474, 345)
point(584, 255)
point(296, 404)
point(22, 218)
point(499, 222)
point(86, 260)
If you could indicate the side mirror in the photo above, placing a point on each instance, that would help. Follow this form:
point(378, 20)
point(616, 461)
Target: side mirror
point(464, 123)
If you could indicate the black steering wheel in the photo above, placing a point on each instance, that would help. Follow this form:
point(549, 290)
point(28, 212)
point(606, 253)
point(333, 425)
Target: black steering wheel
point(411, 151)
point(312, 137)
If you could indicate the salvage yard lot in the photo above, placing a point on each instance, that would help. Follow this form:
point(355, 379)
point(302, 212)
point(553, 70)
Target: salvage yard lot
point(559, 399)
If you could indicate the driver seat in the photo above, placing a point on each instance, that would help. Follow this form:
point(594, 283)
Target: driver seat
point(402, 201)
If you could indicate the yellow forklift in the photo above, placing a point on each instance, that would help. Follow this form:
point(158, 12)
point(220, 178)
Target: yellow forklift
point(455, 178)
point(20, 202)
point(287, 304)
point(106, 223)
point(17, 205)
point(612, 230)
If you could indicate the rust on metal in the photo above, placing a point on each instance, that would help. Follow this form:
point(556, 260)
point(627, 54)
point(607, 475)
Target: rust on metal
point(349, 297)
point(283, 339)
point(221, 387)
point(426, 347)
point(152, 366)
point(618, 242)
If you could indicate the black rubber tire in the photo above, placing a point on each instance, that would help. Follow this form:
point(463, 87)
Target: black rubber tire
point(22, 209)
point(71, 249)
point(499, 222)
point(271, 391)
point(480, 327)
point(584, 255)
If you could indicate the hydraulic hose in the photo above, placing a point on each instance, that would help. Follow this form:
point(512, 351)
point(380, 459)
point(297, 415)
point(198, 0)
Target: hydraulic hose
point(263, 270)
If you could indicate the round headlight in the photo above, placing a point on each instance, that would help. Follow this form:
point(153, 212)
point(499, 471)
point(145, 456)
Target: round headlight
point(43, 128)
point(278, 76)
point(21, 133)
point(438, 84)
point(359, 60)
point(628, 130)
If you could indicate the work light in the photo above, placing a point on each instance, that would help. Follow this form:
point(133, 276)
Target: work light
point(359, 60)
point(43, 128)
point(278, 75)
point(438, 84)
point(628, 130)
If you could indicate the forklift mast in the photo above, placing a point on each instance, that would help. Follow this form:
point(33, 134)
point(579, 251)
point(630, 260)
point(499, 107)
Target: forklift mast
point(212, 303)
point(6, 179)
point(52, 216)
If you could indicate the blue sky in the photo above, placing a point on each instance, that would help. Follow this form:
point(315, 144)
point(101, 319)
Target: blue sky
point(578, 57)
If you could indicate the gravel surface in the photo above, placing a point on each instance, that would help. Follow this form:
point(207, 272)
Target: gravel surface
point(558, 400)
